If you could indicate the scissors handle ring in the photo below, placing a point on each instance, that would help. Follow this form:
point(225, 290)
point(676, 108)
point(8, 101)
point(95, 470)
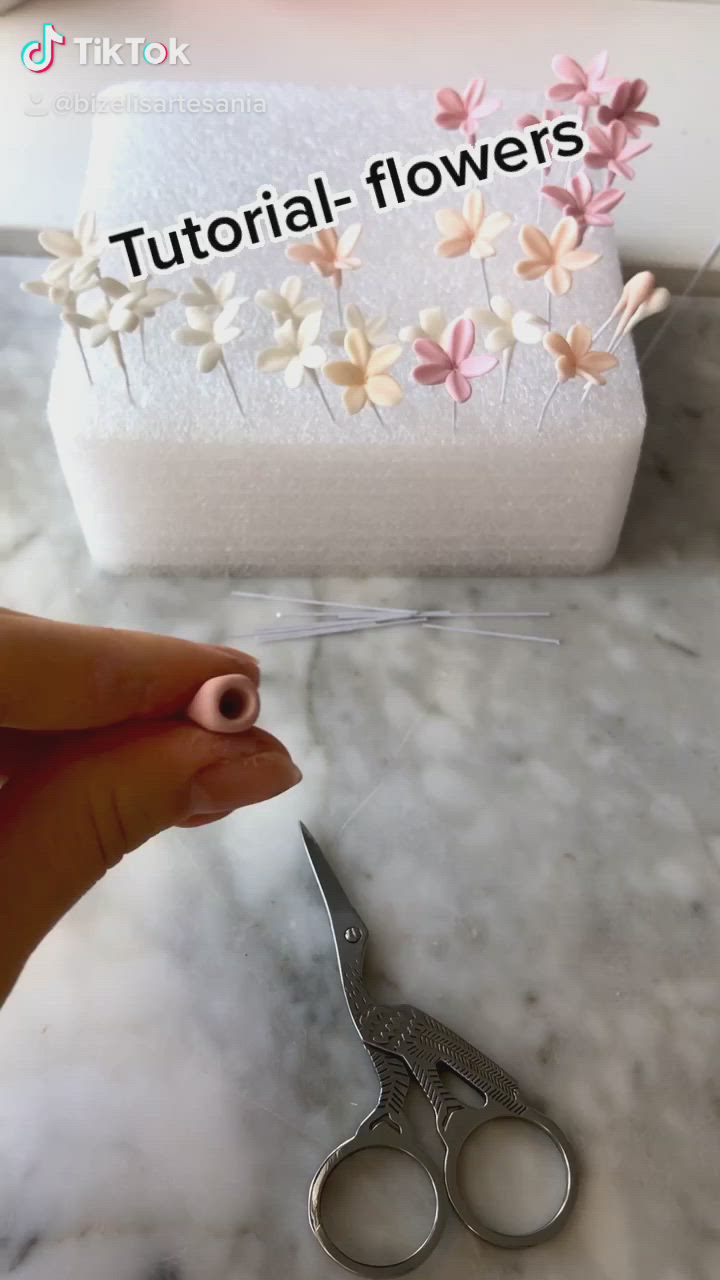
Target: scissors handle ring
point(371, 1136)
point(466, 1121)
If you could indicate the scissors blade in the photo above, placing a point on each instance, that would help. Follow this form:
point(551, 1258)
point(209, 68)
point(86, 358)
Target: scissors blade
point(348, 928)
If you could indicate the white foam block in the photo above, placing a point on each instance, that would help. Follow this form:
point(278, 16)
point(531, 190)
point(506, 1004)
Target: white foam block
point(181, 480)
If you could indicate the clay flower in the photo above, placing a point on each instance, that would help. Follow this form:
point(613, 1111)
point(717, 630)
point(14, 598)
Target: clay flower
point(471, 231)
point(329, 254)
point(364, 374)
point(296, 354)
point(464, 111)
point(554, 259)
point(574, 358)
point(211, 332)
point(138, 302)
point(455, 367)
point(628, 96)
point(66, 299)
point(214, 297)
point(288, 303)
point(610, 149)
point(583, 86)
point(434, 325)
point(580, 201)
point(640, 298)
point(374, 327)
point(506, 327)
point(76, 255)
point(102, 331)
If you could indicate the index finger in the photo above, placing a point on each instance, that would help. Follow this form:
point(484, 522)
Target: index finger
point(59, 675)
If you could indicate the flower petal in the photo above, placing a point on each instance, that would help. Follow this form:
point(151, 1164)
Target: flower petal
point(208, 357)
point(579, 340)
point(558, 281)
point(308, 254)
point(500, 339)
point(273, 359)
point(61, 244)
point(528, 269)
point(381, 358)
point(313, 357)
point(564, 237)
point(474, 209)
point(431, 375)
point(451, 223)
point(450, 100)
point(579, 259)
point(568, 69)
point(494, 224)
point(344, 374)
point(309, 329)
point(225, 286)
point(294, 373)
point(458, 386)
point(477, 366)
point(432, 353)
point(453, 248)
point(535, 244)
point(433, 322)
point(461, 340)
point(189, 337)
point(355, 398)
point(269, 300)
point(556, 345)
point(528, 328)
point(357, 348)
point(348, 240)
point(291, 288)
point(383, 390)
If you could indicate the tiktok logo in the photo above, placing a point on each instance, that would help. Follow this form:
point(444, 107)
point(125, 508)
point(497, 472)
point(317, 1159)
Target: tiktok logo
point(39, 55)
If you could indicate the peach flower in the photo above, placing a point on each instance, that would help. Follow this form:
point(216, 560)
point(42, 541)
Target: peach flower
point(330, 254)
point(471, 231)
point(554, 259)
point(574, 356)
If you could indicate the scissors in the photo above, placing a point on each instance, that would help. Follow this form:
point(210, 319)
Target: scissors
point(406, 1044)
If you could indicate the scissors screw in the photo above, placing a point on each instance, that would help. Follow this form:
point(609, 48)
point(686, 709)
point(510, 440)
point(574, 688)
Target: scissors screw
point(353, 934)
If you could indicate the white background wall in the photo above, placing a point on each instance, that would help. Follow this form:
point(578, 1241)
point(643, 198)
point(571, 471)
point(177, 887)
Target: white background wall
point(670, 217)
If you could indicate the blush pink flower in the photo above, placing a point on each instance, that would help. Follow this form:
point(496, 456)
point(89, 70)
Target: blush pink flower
point(524, 122)
point(455, 367)
point(611, 149)
point(555, 259)
point(583, 86)
point(464, 111)
point(624, 107)
point(580, 201)
point(329, 254)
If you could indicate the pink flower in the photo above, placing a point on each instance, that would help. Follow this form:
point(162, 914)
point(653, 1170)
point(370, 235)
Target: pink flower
point(524, 122)
point(589, 208)
point(454, 367)
point(464, 112)
point(624, 107)
point(611, 150)
point(584, 87)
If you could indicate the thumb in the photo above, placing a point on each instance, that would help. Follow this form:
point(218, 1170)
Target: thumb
point(99, 795)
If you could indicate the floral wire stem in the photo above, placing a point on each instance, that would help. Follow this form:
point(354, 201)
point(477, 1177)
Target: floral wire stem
point(142, 340)
point(546, 405)
point(231, 384)
point(339, 303)
point(549, 313)
point(485, 280)
point(117, 348)
point(454, 417)
point(315, 378)
point(378, 414)
point(506, 358)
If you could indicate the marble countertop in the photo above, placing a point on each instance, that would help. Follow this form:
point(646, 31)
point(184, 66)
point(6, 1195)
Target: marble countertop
point(532, 835)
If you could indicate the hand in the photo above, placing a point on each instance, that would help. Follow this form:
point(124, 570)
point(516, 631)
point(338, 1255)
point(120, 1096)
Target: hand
point(98, 758)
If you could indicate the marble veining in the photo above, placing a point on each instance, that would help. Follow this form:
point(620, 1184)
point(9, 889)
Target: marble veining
point(532, 836)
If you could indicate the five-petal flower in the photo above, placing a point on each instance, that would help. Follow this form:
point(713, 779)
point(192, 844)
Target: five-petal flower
point(506, 326)
point(464, 111)
point(288, 303)
point(364, 374)
point(374, 327)
point(624, 107)
point(434, 325)
point(211, 296)
point(580, 201)
point(455, 367)
point(581, 85)
point(329, 253)
point(471, 231)
point(296, 351)
point(574, 356)
point(611, 149)
point(76, 254)
point(140, 300)
point(554, 259)
point(209, 332)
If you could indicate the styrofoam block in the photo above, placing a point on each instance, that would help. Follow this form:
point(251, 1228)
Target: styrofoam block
point(180, 479)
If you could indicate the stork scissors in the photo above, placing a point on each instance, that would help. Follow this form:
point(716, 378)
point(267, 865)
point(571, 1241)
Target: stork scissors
point(406, 1044)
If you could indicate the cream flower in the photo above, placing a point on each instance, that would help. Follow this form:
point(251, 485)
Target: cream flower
point(365, 374)
point(209, 332)
point(329, 253)
point(434, 325)
point(214, 297)
point(76, 254)
point(140, 300)
point(296, 351)
point(287, 304)
point(374, 327)
point(506, 325)
point(574, 356)
point(555, 259)
point(471, 231)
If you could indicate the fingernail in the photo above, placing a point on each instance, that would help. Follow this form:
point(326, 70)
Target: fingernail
point(234, 783)
point(247, 658)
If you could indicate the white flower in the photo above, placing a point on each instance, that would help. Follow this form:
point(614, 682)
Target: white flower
point(140, 300)
point(211, 296)
point(296, 350)
point(287, 304)
point(506, 325)
point(101, 327)
point(374, 327)
point(76, 254)
point(434, 325)
point(209, 332)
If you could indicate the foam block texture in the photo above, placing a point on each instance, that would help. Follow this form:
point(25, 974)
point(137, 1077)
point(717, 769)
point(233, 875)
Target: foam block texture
point(181, 480)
